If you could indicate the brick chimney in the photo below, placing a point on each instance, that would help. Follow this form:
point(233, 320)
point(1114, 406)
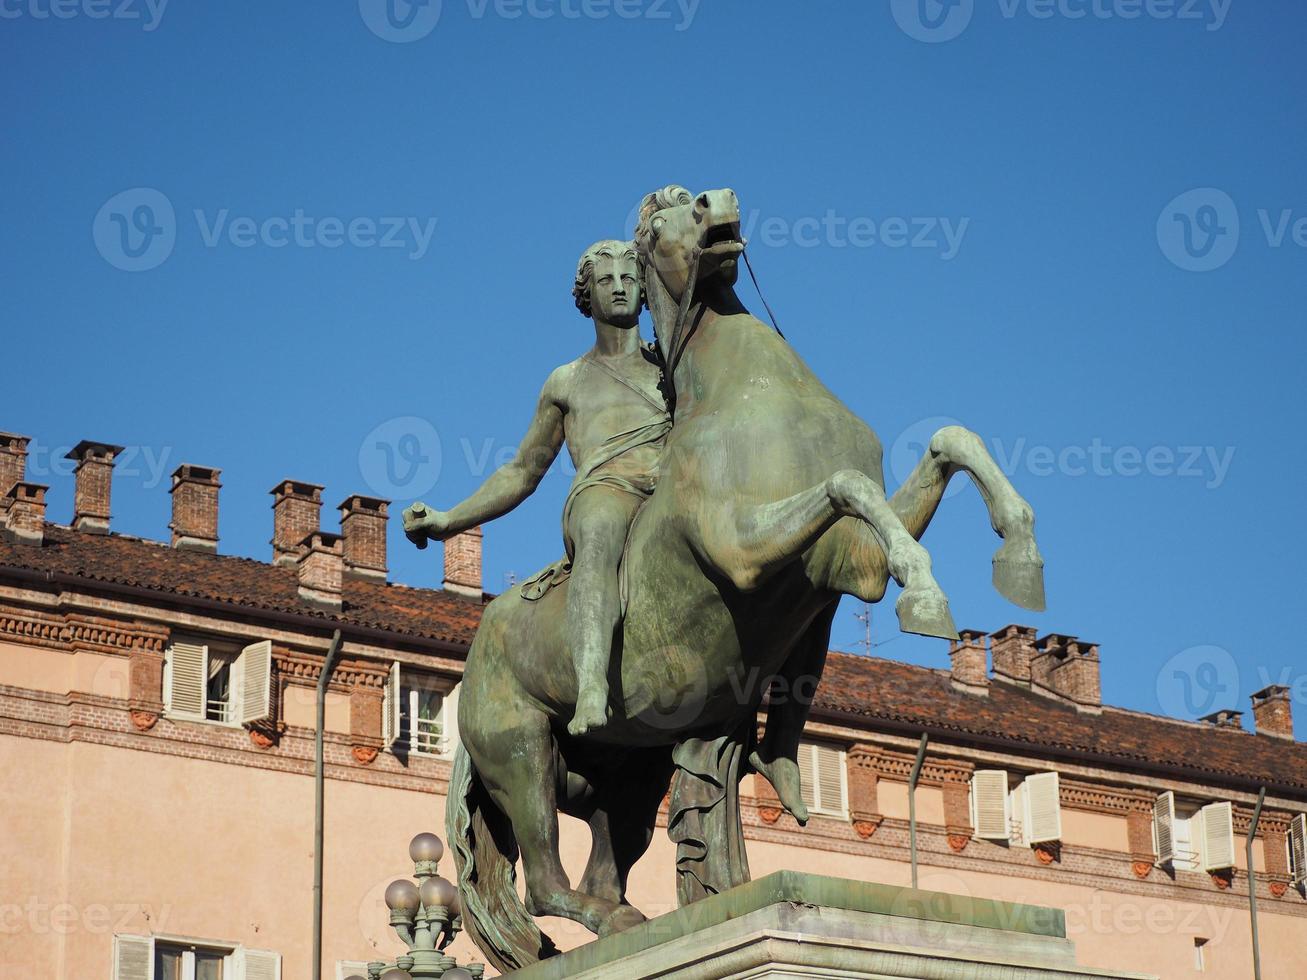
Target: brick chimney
point(1067, 668)
point(969, 657)
point(1272, 712)
point(321, 566)
point(1225, 718)
point(363, 526)
point(463, 564)
point(25, 513)
point(13, 463)
point(195, 508)
point(94, 481)
point(296, 508)
point(1013, 648)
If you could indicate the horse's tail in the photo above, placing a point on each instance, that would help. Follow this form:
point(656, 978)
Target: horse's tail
point(485, 858)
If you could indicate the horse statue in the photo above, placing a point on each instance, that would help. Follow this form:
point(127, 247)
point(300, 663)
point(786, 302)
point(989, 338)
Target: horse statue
point(770, 507)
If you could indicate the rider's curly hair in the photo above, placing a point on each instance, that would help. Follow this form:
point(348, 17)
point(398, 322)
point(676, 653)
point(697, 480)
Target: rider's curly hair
point(610, 247)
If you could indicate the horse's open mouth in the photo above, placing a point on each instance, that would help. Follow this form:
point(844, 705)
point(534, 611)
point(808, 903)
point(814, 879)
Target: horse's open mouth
point(723, 239)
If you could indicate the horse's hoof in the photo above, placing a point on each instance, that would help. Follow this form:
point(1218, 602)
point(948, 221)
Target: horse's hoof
point(925, 611)
point(624, 918)
point(1021, 582)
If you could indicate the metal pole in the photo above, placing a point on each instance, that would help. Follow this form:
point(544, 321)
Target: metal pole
point(1252, 883)
point(323, 680)
point(912, 803)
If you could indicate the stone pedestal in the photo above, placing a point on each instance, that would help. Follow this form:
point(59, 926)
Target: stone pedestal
point(789, 926)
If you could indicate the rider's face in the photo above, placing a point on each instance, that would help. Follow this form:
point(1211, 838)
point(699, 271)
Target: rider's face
point(615, 290)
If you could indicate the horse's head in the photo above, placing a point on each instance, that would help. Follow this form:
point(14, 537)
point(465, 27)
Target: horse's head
point(679, 232)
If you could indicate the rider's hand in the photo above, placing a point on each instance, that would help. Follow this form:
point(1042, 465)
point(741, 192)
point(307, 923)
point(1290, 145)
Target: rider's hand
point(422, 524)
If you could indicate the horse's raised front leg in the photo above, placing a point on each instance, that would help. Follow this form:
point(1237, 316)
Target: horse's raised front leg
point(755, 542)
point(1018, 566)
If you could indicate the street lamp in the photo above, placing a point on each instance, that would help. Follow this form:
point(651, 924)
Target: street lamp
point(426, 917)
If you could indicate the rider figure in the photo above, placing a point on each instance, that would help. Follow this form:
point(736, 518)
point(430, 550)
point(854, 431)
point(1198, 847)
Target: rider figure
point(608, 407)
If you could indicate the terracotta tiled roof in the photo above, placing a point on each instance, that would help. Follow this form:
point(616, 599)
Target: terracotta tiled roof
point(242, 583)
point(912, 697)
point(866, 690)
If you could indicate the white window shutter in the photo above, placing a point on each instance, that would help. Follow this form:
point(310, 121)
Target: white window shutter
point(255, 669)
point(1298, 848)
point(807, 774)
point(1164, 827)
point(830, 779)
point(989, 804)
point(1218, 836)
point(133, 958)
point(391, 703)
point(188, 677)
point(1043, 805)
point(449, 723)
point(258, 964)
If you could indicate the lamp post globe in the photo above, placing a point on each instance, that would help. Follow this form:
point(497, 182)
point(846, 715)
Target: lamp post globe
point(426, 847)
point(436, 891)
point(402, 896)
point(458, 973)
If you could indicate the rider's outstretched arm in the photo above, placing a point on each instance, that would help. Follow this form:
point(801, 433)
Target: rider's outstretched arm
point(517, 479)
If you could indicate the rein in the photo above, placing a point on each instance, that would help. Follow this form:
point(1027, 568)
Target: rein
point(680, 339)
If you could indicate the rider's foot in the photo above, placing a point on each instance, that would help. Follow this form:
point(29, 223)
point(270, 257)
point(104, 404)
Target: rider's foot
point(591, 712)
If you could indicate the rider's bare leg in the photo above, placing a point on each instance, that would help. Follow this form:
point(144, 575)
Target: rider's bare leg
point(1018, 566)
point(761, 540)
point(599, 522)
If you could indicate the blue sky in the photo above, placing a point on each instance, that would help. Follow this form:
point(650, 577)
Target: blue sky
point(983, 215)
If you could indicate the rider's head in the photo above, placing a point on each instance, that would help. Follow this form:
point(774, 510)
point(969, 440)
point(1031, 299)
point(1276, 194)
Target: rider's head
point(607, 285)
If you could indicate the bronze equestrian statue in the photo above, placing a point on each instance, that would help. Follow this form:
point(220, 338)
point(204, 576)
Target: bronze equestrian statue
point(770, 506)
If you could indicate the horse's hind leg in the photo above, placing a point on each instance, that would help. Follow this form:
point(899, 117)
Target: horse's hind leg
point(516, 764)
point(1018, 567)
point(761, 540)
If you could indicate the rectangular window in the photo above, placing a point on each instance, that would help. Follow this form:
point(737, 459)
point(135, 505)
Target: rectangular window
point(177, 962)
point(150, 958)
point(823, 779)
point(1200, 955)
point(218, 681)
point(420, 713)
point(1185, 837)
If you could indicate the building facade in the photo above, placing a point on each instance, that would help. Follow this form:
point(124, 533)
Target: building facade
point(157, 720)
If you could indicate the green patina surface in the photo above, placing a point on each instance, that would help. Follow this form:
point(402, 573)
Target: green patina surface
point(792, 887)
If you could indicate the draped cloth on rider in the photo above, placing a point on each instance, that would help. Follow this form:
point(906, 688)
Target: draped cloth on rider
point(613, 463)
point(704, 816)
